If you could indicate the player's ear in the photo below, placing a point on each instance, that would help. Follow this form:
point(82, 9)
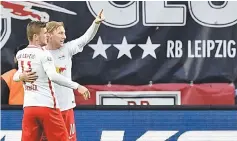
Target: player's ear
point(36, 37)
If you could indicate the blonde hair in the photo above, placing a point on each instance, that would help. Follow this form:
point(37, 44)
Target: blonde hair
point(53, 25)
point(34, 27)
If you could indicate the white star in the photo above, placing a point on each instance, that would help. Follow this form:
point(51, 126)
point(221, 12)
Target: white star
point(124, 48)
point(99, 48)
point(149, 48)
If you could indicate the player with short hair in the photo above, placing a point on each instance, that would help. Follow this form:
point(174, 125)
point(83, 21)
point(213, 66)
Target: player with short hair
point(41, 108)
point(62, 54)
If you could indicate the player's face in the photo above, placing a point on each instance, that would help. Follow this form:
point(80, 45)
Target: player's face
point(58, 36)
point(43, 37)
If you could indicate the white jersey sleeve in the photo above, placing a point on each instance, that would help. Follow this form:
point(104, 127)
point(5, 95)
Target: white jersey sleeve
point(78, 44)
point(49, 68)
point(16, 76)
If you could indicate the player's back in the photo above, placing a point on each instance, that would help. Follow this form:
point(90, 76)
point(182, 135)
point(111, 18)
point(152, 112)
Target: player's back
point(41, 91)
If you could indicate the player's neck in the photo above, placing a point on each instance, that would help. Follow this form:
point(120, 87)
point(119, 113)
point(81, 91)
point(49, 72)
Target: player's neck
point(51, 46)
point(34, 43)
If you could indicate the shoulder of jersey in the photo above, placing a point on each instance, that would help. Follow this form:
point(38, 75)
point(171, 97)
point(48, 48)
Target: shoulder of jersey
point(43, 48)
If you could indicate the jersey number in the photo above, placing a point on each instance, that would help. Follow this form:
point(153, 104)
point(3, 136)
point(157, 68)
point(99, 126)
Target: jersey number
point(32, 87)
point(28, 69)
point(72, 129)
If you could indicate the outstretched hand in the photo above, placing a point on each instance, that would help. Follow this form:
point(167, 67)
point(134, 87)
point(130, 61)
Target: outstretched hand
point(100, 17)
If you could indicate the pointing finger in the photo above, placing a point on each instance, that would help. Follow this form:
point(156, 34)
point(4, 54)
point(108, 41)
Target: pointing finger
point(101, 13)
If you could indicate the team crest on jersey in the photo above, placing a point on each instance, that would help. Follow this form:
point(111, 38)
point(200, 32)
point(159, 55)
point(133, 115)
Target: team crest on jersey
point(60, 69)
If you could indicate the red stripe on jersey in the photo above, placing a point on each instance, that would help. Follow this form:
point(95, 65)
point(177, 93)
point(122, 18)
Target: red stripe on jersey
point(22, 66)
point(52, 93)
point(29, 65)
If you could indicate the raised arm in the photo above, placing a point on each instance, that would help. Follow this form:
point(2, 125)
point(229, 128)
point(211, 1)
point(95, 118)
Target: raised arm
point(78, 44)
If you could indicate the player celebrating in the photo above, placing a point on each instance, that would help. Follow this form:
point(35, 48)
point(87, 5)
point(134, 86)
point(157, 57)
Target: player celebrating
point(41, 109)
point(62, 54)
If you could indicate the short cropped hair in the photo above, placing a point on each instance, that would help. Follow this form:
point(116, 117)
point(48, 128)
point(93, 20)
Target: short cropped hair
point(34, 27)
point(53, 25)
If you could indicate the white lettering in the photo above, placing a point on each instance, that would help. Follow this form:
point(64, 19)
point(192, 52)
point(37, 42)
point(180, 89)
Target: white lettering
point(156, 135)
point(190, 55)
point(174, 49)
point(112, 136)
point(170, 48)
point(178, 49)
point(211, 135)
point(231, 50)
point(218, 55)
point(10, 135)
point(208, 136)
point(160, 13)
point(72, 129)
point(208, 48)
point(117, 16)
point(118, 135)
point(207, 14)
point(224, 49)
point(198, 48)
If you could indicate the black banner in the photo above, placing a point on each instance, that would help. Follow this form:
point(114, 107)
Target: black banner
point(139, 42)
